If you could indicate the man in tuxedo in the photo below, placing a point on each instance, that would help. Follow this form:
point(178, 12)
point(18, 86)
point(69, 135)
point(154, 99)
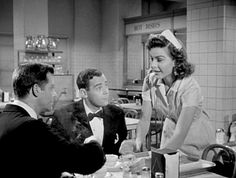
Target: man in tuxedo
point(92, 115)
point(29, 147)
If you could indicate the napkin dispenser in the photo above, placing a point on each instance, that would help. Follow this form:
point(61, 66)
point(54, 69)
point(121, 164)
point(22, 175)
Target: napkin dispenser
point(165, 161)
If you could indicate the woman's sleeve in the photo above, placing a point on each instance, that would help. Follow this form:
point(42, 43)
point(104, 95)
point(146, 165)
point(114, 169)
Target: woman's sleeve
point(191, 95)
point(146, 91)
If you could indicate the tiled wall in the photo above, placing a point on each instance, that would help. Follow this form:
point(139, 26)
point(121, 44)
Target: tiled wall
point(99, 36)
point(112, 44)
point(211, 45)
point(134, 56)
point(6, 44)
point(6, 64)
point(87, 34)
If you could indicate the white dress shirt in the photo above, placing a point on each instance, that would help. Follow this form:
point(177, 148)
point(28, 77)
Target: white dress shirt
point(96, 124)
point(26, 107)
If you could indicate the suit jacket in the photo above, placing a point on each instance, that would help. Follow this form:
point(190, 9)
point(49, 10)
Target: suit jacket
point(73, 119)
point(29, 148)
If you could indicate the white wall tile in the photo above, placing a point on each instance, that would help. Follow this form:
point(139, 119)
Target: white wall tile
point(219, 58)
point(229, 46)
point(221, 10)
point(204, 35)
point(230, 34)
point(228, 94)
point(195, 36)
point(195, 58)
point(204, 92)
point(203, 69)
point(229, 82)
point(211, 46)
point(211, 70)
point(197, 71)
point(195, 25)
point(218, 103)
point(220, 81)
point(203, 24)
point(229, 70)
point(234, 100)
point(219, 46)
point(212, 115)
point(212, 59)
point(229, 11)
point(219, 124)
point(212, 92)
point(213, 12)
point(212, 35)
point(211, 81)
point(212, 24)
point(234, 85)
point(203, 47)
point(204, 13)
point(203, 83)
point(220, 23)
point(220, 70)
point(195, 14)
point(203, 58)
point(211, 104)
point(189, 15)
point(220, 34)
point(195, 47)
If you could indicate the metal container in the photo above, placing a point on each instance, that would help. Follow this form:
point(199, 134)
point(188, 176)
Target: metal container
point(220, 136)
point(145, 172)
point(159, 175)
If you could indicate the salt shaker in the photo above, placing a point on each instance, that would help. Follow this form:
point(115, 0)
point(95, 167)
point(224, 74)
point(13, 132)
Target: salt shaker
point(220, 136)
point(145, 172)
point(159, 175)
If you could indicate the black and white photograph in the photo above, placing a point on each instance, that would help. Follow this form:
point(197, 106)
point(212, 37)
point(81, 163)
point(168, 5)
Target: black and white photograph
point(118, 88)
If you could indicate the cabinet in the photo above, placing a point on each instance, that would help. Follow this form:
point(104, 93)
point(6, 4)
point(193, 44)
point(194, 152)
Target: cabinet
point(40, 52)
point(50, 57)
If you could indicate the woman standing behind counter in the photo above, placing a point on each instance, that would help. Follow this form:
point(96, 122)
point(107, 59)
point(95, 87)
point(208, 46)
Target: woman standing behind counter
point(170, 89)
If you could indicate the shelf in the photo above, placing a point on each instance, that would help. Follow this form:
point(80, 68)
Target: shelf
point(57, 57)
point(52, 63)
point(40, 51)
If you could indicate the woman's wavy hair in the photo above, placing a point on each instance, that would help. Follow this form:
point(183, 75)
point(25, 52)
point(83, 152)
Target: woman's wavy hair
point(182, 67)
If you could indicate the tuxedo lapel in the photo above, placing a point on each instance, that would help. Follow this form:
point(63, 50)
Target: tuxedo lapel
point(80, 113)
point(107, 117)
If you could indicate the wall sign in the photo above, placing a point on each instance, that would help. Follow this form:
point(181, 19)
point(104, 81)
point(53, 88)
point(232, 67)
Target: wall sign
point(154, 26)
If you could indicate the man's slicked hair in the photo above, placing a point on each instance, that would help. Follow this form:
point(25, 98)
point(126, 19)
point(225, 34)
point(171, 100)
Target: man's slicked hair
point(86, 75)
point(25, 76)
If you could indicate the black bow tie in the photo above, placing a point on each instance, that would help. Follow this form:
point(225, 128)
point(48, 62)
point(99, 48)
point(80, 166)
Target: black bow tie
point(92, 115)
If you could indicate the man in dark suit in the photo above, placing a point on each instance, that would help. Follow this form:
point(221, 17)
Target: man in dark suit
point(108, 125)
point(29, 147)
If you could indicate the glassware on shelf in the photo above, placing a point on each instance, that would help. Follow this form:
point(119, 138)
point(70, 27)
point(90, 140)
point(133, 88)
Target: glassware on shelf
point(29, 43)
point(42, 49)
point(58, 59)
point(41, 42)
point(52, 43)
point(58, 69)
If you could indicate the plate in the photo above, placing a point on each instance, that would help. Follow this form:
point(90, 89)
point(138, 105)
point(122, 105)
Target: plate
point(196, 167)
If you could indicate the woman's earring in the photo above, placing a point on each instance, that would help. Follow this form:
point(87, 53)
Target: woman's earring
point(174, 72)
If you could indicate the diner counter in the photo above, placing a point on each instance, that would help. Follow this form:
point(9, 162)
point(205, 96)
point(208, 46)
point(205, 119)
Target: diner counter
point(117, 172)
point(204, 175)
